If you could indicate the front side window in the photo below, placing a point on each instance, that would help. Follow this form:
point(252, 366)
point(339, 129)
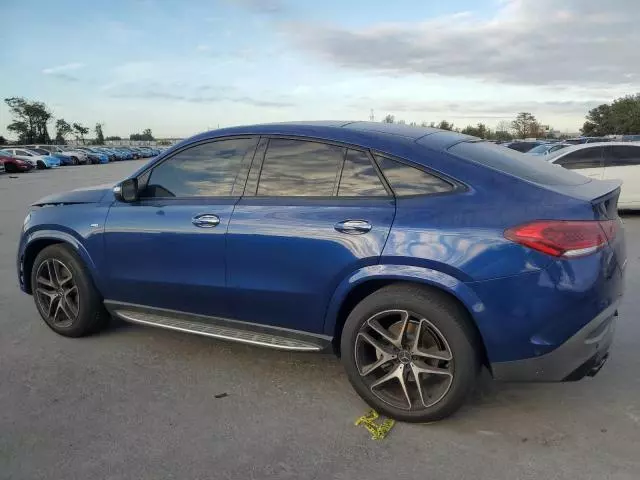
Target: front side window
point(583, 158)
point(406, 180)
point(206, 170)
point(359, 177)
point(298, 168)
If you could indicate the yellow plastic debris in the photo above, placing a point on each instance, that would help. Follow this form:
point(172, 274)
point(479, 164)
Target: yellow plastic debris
point(377, 430)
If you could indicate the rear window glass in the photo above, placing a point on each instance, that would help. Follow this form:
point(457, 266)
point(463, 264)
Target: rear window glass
point(526, 167)
point(406, 180)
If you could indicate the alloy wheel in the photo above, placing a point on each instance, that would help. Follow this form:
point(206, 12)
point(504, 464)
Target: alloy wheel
point(404, 360)
point(57, 293)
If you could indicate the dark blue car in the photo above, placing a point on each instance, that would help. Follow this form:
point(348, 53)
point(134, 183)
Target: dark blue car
point(419, 255)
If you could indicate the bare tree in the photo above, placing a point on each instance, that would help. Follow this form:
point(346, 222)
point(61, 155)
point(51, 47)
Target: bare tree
point(525, 125)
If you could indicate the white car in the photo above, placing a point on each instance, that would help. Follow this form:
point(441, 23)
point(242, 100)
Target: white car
point(77, 155)
point(38, 161)
point(606, 161)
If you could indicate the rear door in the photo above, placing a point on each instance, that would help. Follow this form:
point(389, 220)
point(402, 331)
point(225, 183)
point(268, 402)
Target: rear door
point(622, 162)
point(586, 161)
point(312, 213)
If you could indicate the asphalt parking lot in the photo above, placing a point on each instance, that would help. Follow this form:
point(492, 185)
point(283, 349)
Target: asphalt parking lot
point(141, 403)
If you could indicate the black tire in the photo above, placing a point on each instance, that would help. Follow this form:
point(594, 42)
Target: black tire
point(75, 161)
point(40, 165)
point(9, 168)
point(437, 316)
point(88, 314)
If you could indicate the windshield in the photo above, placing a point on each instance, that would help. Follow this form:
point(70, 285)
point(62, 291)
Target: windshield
point(540, 149)
point(39, 151)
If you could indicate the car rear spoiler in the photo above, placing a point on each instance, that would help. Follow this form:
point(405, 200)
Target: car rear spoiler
point(591, 191)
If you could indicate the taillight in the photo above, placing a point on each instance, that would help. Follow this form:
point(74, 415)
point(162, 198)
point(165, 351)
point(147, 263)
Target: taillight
point(564, 238)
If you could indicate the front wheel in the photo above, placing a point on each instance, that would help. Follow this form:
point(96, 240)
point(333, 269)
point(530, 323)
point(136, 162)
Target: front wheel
point(411, 353)
point(64, 293)
point(40, 165)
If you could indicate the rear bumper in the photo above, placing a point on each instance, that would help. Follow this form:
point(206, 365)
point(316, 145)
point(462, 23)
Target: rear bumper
point(581, 355)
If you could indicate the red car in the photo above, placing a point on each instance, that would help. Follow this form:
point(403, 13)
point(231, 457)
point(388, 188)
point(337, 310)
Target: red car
point(13, 164)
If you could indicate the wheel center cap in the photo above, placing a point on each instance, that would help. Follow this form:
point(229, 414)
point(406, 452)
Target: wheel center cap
point(404, 356)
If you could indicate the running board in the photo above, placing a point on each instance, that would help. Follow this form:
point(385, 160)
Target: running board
point(221, 328)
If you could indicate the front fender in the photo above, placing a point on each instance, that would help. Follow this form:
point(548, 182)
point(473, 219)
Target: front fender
point(406, 273)
point(32, 238)
point(64, 237)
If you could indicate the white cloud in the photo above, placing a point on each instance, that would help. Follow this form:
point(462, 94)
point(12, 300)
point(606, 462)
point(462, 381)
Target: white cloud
point(62, 68)
point(203, 48)
point(532, 42)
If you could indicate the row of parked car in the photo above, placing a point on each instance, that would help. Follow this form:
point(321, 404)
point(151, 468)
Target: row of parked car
point(16, 159)
point(545, 146)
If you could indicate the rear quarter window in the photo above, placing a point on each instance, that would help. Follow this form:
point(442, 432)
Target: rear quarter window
point(513, 163)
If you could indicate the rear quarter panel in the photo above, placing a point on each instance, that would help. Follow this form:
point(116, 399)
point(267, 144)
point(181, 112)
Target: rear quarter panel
point(462, 233)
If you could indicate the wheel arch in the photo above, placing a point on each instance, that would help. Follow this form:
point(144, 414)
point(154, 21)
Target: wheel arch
point(43, 239)
point(371, 279)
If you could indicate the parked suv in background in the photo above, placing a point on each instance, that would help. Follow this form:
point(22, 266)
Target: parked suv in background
point(606, 161)
point(418, 254)
point(581, 140)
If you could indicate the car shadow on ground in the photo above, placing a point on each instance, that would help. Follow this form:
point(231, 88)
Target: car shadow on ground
point(494, 408)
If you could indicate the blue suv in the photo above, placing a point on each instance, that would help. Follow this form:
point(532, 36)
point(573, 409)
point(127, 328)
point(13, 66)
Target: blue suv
point(419, 255)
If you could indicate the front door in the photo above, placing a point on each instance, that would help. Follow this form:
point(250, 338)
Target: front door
point(316, 213)
point(167, 250)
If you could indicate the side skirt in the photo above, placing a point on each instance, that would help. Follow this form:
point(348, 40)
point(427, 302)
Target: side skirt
point(220, 328)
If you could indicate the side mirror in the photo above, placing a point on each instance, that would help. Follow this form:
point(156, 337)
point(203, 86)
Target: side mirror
point(127, 191)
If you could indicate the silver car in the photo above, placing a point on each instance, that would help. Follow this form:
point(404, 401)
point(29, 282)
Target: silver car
point(78, 156)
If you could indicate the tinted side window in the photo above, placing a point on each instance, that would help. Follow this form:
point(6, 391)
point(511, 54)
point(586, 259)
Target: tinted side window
point(207, 170)
point(622, 156)
point(297, 168)
point(584, 158)
point(406, 180)
point(359, 177)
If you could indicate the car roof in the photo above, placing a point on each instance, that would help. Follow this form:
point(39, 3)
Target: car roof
point(582, 146)
point(366, 134)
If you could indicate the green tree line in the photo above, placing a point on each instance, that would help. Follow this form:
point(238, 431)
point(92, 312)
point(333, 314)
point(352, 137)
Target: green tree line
point(525, 125)
point(31, 119)
point(621, 117)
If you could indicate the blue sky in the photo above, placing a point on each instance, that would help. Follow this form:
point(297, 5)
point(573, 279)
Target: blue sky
point(180, 67)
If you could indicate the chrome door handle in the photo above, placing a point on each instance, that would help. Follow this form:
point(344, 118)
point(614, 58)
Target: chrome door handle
point(205, 220)
point(353, 227)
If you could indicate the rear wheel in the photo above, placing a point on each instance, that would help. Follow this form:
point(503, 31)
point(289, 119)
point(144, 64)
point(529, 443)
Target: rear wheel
point(410, 353)
point(75, 160)
point(10, 168)
point(64, 293)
